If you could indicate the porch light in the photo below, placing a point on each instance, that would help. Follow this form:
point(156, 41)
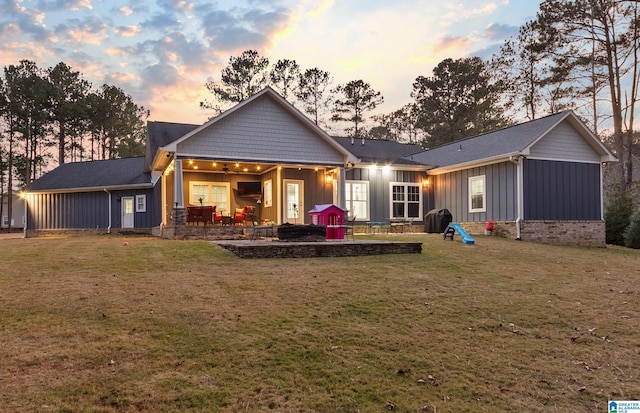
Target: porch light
point(246, 169)
point(258, 167)
point(386, 168)
point(315, 169)
point(328, 179)
point(215, 164)
point(425, 182)
point(22, 195)
point(237, 165)
point(373, 167)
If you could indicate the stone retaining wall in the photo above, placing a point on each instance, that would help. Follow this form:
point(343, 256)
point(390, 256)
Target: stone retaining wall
point(203, 232)
point(578, 233)
point(278, 249)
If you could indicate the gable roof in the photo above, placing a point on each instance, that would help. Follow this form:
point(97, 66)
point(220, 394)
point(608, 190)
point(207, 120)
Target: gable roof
point(510, 141)
point(288, 108)
point(381, 151)
point(112, 174)
point(163, 133)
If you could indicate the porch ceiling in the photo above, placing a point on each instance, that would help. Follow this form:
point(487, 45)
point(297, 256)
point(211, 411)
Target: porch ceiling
point(239, 167)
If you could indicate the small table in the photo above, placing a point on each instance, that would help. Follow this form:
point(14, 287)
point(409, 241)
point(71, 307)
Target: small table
point(227, 220)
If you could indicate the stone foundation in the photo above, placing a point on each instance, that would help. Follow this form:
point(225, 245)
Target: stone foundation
point(208, 232)
point(32, 233)
point(576, 233)
point(279, 249)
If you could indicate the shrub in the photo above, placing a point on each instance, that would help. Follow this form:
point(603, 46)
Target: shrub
point(632, 233)
point(617, 215)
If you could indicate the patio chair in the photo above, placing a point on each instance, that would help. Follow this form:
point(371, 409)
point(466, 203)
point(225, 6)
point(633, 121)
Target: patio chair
point(348, 228)
point(258, 229)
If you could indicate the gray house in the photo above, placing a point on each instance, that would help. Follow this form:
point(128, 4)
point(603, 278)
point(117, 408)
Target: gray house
point(538, 181)
point(98, 195)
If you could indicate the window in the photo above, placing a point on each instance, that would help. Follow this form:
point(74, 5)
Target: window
point(357, 199)
point(209, 194)
point(5, 221)
point(406, 200)
point(141, 203)
point(477, 194)
point(268, 193)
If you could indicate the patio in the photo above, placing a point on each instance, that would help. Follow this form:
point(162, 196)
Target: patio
point(337, 248)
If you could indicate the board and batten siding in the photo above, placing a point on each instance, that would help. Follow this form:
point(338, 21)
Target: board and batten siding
point(85, 210)
point(451, 191)
point(262, 131)
point(380, 189)
point(564, 143)
point(556, 190)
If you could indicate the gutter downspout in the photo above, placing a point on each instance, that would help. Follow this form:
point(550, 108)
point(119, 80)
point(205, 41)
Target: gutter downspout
point(519, 197)
point(26, 220)
point(109, 227)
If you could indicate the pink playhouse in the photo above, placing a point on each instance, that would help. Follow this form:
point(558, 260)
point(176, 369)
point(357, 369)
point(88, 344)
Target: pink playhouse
point(330, 216)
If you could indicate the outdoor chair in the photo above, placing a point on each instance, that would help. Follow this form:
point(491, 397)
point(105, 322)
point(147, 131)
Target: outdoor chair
point(348, 228)
point(258, 229)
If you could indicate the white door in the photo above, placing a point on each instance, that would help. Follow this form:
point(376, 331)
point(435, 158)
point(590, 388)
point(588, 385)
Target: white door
point(127, 212)
point(294, 201)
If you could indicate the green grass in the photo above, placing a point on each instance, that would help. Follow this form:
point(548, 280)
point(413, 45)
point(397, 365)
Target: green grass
point(497, 326)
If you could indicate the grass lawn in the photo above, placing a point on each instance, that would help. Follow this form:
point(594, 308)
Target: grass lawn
point(91, 325)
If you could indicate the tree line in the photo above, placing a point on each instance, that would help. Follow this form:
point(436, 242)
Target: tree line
point(575, 54)
point(54, 111)
point(458, 101)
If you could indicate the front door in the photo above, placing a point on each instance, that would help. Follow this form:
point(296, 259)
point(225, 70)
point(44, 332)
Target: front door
point(127, 212)
point(294, 201)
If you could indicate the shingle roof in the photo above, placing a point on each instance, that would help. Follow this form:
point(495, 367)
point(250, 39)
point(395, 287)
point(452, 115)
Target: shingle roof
point(107, 174)
point(504, 141)
point(163, 133)
point(383, 151)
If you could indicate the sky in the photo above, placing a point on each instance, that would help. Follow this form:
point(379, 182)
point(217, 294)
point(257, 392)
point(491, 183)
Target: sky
point(163, 52)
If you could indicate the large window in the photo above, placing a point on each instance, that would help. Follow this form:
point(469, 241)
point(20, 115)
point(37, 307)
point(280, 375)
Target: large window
point(406, 200)
point(477, 194)
point(209, 194)
point(357, 199)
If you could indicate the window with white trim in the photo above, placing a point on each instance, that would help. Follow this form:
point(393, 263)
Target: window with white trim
point(477, 194)
point(357, 199)
point(209, 194)
point(406, 200)
point(268, 193)
point(141, 203)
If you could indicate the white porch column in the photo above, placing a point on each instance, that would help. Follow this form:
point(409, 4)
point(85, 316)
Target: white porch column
point(178, 193)
point(342, 203)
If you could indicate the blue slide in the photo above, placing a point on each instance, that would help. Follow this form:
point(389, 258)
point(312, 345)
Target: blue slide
point(466, 238)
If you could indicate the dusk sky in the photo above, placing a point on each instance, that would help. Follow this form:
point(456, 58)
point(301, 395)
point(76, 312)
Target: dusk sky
point(163, 52)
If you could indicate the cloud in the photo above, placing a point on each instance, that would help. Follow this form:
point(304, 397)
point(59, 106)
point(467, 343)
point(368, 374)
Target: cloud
point(461, 11)
point(159, 75)
point(23, 20)
point(162, 22)
point(125, 10)
point(127, 31)
point(83, 31)
point(58, 5)
point(251, 29)
point(500, 32)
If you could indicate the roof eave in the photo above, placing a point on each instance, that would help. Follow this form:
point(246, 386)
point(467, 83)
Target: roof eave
point(145, 185)
point(438, 170)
